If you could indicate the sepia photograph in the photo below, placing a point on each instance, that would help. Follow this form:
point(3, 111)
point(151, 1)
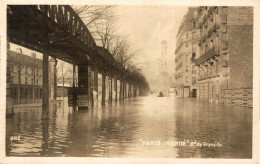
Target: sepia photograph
point(128, 81)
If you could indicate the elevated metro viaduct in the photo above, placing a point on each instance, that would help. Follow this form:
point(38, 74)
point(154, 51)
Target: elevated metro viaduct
point(57, 31)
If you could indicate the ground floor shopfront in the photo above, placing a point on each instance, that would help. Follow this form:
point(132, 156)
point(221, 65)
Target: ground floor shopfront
point(187, 91)
point(210, 89)
point(213, 91)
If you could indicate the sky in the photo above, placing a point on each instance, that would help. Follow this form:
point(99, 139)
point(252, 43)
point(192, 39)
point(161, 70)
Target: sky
point(146, 28)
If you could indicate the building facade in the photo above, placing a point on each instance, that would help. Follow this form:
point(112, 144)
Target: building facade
point(186, 51)
point(25, 71)
point(225, 62)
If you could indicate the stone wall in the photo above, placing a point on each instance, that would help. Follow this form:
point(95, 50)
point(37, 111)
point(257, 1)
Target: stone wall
point(241, 97)
point(241, 56)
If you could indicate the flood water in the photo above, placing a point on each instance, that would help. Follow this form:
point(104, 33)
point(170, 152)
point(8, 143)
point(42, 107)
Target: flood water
point(138, 127)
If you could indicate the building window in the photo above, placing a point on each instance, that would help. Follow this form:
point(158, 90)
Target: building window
point(193, 80)
point(26, 93)
point(194, 24)
point(206, 48)
point(216, 41)
point(11, 67)
point(187, 45)
point(32, 81)
point(187, 68)
point(193, 34)
point(25, 80)
point(187, 35)
point(193, 70)
point(217, 68)
point(25, 69)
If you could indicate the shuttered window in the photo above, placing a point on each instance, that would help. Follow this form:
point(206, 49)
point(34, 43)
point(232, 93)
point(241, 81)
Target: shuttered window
point(224, 18)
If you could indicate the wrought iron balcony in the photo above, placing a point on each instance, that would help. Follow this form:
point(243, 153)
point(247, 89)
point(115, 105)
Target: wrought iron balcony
point(203, 38)
point(181, 42)
point(213, 29)
point(211, 9)
point(214, 51)
point(205, 18)
point(178, 66)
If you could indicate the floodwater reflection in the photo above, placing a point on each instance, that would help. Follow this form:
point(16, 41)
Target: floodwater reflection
point(137, 127)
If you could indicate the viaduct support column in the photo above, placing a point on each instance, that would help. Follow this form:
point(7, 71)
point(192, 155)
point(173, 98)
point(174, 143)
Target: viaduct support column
point(45, 85)
point(103, 101)
point(55, 78)
point(90, 86)
point(123, 89)
point(52, 80)
point(83, 79)
point(9, 96)
point(120, 89)
point(111, 90)
point(73, 86)
point(94, 85)
point(115, 84)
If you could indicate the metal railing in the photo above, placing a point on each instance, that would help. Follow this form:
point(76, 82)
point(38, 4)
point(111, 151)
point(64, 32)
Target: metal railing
point(178, 66)
point(67, 19)
point(214, 51)
point(213, 29)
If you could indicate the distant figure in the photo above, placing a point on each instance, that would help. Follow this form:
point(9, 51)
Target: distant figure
point(161, 94)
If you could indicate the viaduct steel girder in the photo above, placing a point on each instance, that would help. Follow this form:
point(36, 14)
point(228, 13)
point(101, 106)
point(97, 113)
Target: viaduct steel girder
point(56, 28)
point(59, 30)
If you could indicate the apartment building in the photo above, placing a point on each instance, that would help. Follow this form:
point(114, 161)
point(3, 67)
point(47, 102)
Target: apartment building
point(187, 48)
point(225, 61)
point(25, 71)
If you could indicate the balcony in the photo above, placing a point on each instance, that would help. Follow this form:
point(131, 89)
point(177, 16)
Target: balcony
point(192, 59)
point(178, 66)
point(211, 9)
point(182, 41)
point(206, 76)
point(213, 29)
point(203, 39)
point(204, 19)
point(214, 51)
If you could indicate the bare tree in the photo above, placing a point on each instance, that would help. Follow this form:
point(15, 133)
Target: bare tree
point(92, 13)
point(19, 67)
point(100, 21)
point(63, 73)
point(70, 75)
point(123, 54)
point(105, 34)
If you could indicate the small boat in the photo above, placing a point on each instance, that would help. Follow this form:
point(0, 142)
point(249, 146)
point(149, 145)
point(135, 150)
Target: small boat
point(161, 94)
